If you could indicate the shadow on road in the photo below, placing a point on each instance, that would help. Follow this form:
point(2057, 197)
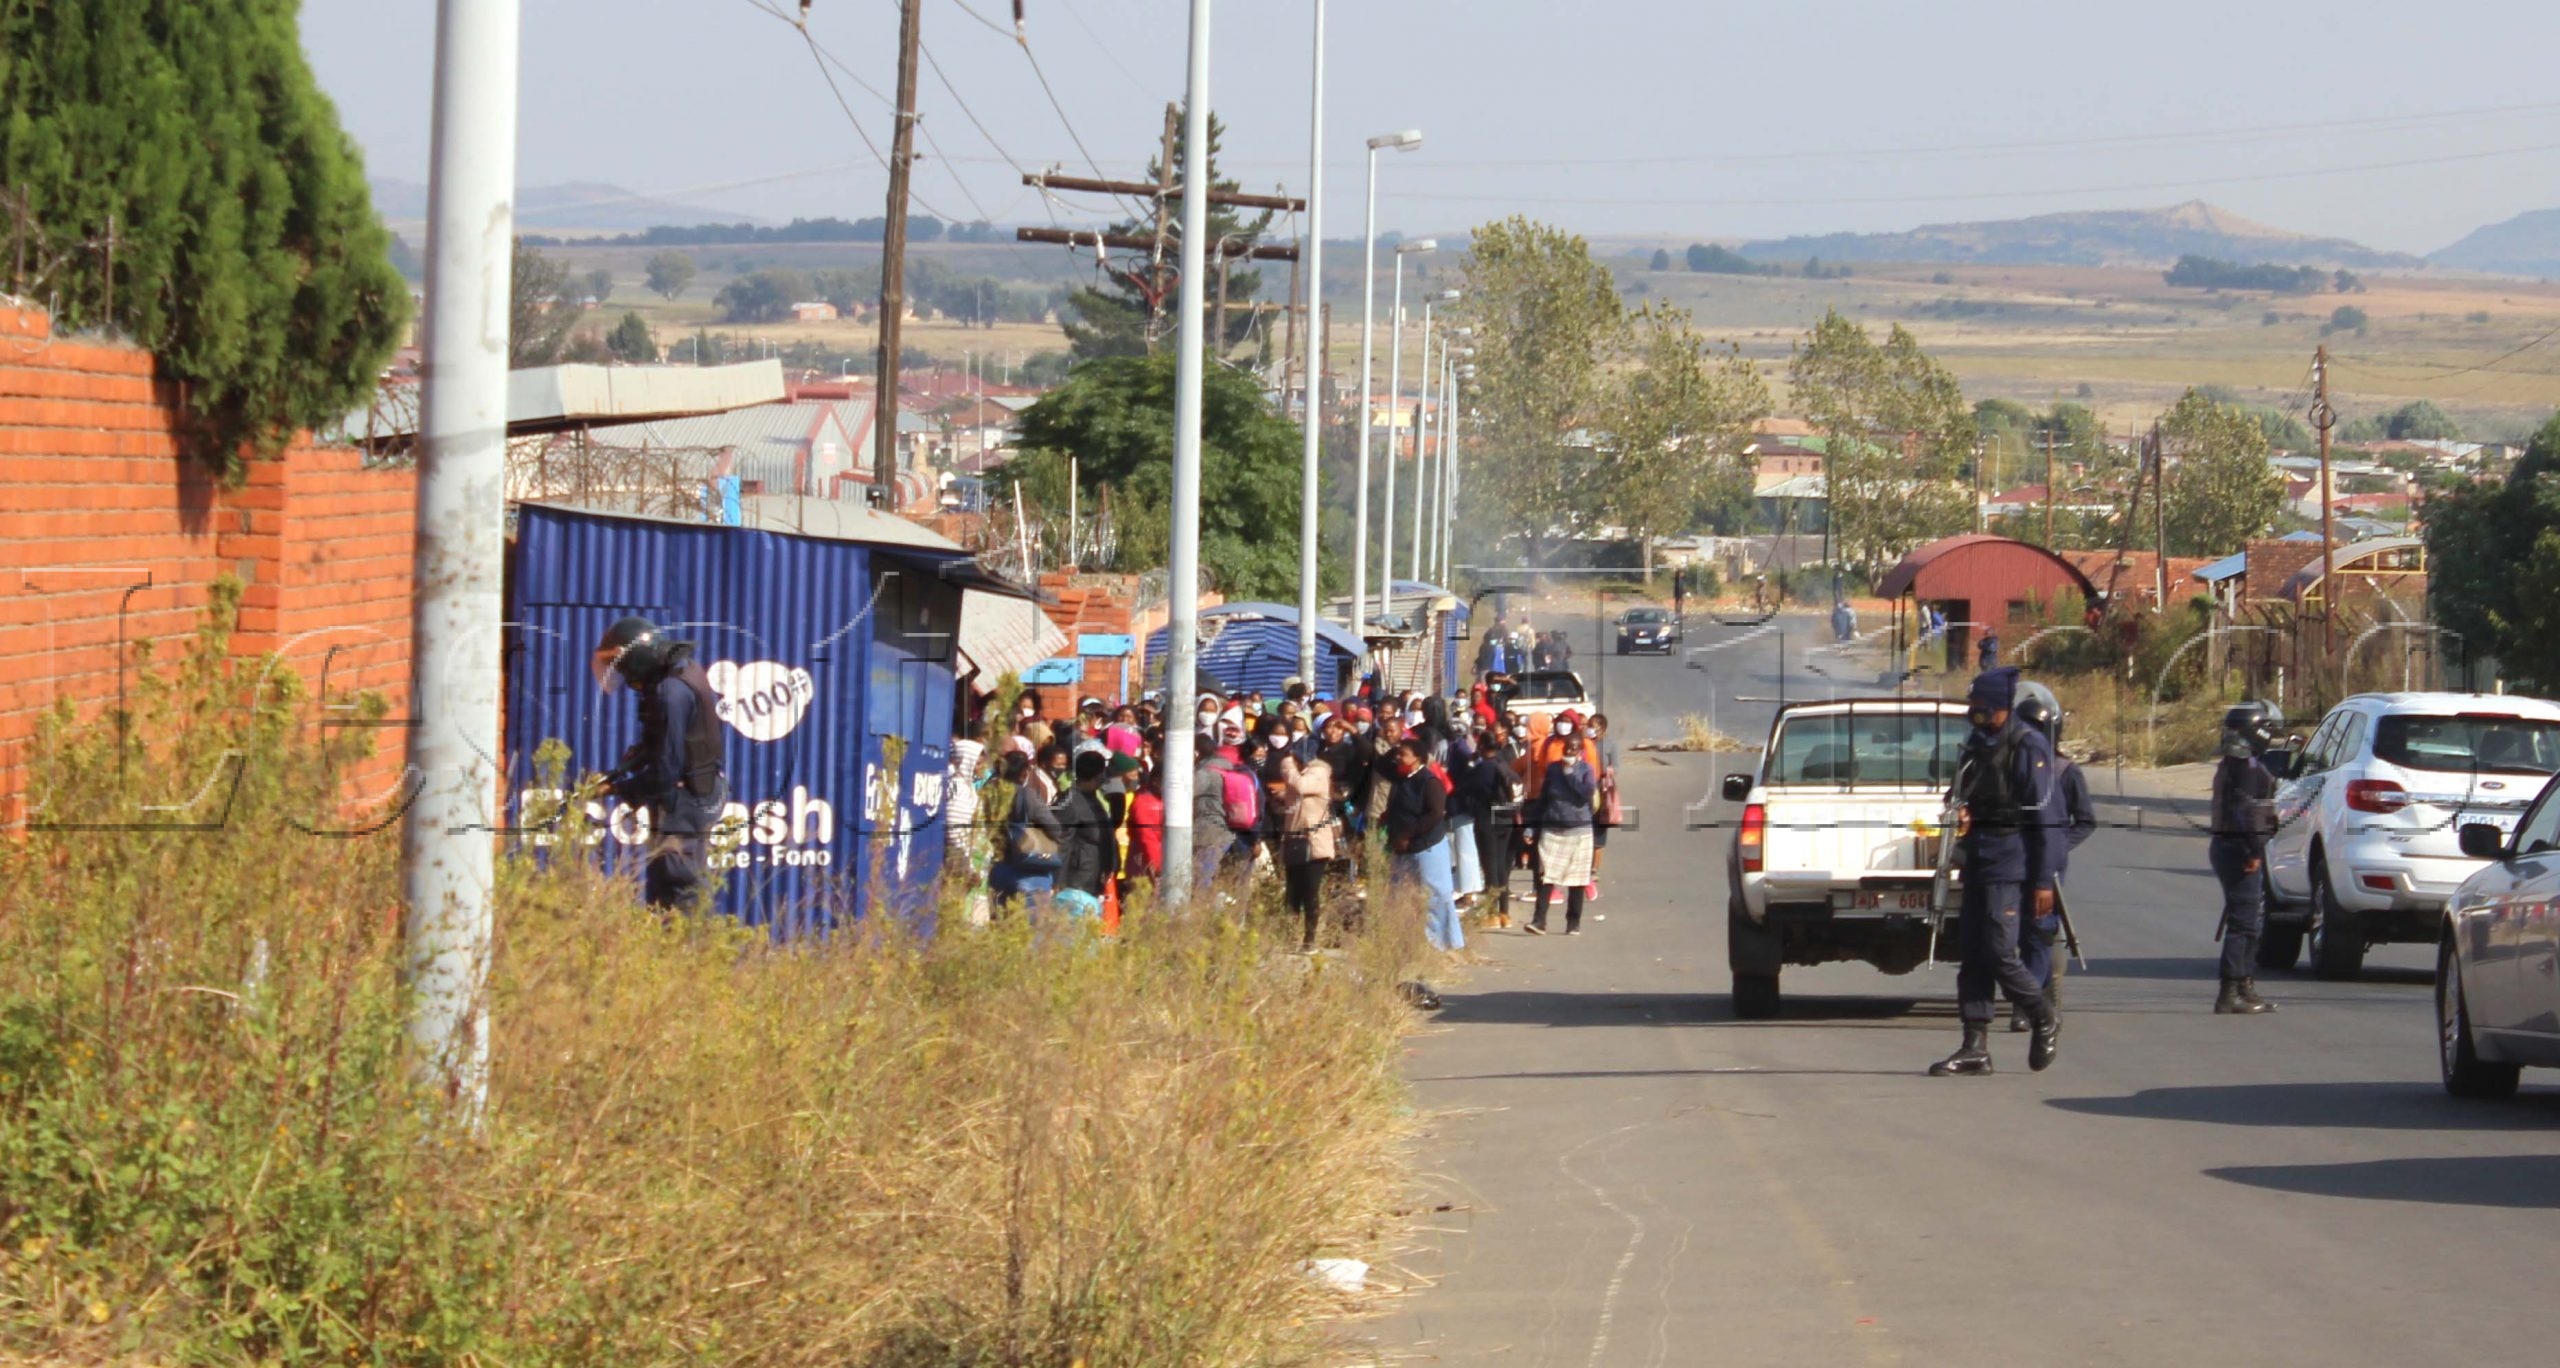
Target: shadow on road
point(2523, 1181)
point(2200, 970)
point(2350, 1106)
point(1534, 1008)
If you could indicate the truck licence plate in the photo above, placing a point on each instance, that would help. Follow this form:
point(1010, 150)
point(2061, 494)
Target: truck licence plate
point(1880, 900)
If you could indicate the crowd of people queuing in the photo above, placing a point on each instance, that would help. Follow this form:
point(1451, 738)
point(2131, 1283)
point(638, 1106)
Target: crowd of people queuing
point(1452, 796)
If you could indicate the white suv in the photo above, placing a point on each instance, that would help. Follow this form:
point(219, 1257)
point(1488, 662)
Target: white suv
point(2367, 847)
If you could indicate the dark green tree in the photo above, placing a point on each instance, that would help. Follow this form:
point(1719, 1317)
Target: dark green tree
point(1661, 259)
point(669, 273)
point(542, 312)
point(1115, 415)
point(2344, 318)
point(2493, 564)
point(762, 297)
point(1114, 319)
point(184, 181)
point(632, 341)
point(2421, 421)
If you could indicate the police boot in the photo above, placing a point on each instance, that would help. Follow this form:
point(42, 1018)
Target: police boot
point(2047, 1044)
point(1971, 1058)
point(2240, 998)
point(2019, 1024)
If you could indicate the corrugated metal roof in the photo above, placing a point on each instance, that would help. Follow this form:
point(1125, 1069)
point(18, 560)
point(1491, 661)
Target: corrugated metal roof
point(842, 520)
point(2230, 567)
point(771, 440)
point(553, 397)
point(1001, 636)
point(1256, 647)
point(1961, 583)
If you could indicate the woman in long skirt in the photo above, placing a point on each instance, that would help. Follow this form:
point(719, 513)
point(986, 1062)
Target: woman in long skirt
point(1567, 791)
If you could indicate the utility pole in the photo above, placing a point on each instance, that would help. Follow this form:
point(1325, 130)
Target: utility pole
point(2048, 486)
point(1182, 615)
point(2159, 519)
point(893, 262)
point(2324, 418)
point(1164, 228)
point(448, 845)
point(1309, 526)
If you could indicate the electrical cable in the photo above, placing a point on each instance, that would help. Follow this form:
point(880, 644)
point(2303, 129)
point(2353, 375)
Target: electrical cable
point(824, 59)
point(2040, 193)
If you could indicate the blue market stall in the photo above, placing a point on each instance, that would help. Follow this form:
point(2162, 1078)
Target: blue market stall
point(1249, 646)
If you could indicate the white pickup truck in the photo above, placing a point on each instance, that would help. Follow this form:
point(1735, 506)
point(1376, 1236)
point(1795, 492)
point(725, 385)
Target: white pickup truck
point(1837, 845)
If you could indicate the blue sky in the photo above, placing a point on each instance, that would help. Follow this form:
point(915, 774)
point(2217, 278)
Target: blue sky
point(2353, 118)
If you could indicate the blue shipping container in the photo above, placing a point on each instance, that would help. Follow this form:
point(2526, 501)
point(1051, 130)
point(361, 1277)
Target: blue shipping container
point(1255, 646)
point(833, 662)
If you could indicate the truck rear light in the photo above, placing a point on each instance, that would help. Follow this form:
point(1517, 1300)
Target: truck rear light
point(2376, 795)
point(1754, 838)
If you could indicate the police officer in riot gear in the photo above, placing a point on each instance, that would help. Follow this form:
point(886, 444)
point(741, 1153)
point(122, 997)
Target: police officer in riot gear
point(673, 771)
point(2038, 708)
point(2010, 812)
point(2244, 817)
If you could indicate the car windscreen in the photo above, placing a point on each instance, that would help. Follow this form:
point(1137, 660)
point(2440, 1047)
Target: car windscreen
point(2468, 743)
point(1645, 617)
point(1896, 748)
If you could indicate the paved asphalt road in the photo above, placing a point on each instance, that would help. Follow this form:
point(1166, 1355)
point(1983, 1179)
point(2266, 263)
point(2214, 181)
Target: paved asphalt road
point(1634, 1177)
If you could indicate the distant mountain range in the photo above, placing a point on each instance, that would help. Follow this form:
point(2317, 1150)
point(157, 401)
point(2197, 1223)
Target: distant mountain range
point(573, 207)
point(2110, 237)
point(2527, 245)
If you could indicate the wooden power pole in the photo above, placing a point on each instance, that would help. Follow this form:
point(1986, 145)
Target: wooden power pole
point(2048, 486)
point(2324, 418)
point(893, 262)
point(2159, 519)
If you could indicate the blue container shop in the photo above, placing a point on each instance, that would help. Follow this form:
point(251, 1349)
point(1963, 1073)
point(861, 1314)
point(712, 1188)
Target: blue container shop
point(1251, 646)
point(834, 662)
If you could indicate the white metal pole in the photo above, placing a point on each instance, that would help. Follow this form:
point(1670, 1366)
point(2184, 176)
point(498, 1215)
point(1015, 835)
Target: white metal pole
point(1421, 447)
point(1448, 469)
point(1182, 623)
point(1395, 410)
point(448, 845)
point(1309, 525)
point(1365, 426)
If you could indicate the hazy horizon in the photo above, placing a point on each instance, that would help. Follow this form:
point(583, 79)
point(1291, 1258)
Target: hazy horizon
point(1665, 120)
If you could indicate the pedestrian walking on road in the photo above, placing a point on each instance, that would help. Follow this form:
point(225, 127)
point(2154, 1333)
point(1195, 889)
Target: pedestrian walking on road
point(2009, 810)
point(2244, 816)
point(1608, 809)
point(1417, 825)
point(1568, 789)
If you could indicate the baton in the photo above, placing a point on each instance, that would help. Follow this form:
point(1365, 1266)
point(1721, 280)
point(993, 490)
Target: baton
point(2070, 936)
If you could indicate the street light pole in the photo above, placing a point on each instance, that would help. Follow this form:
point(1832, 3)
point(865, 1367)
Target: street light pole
point(448, 847)
point(1309, 525)
point(1424, 434)
point(1405, 141)
point(1395, 409)
point(1182, 619)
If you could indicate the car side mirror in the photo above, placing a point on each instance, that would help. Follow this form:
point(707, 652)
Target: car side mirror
point(2481, 841)
point(1737, 787)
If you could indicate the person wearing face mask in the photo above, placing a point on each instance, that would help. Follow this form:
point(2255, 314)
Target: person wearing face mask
point(2009, 816)
point(1569, 786)
point(1417, 825)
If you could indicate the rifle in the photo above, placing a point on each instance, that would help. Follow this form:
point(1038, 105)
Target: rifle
point(2071, 936)
point(1942, 882)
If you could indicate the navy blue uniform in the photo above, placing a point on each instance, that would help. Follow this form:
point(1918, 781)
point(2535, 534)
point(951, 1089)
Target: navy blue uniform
point(673, 772)
point(2243, 818)
point(2013, 800)
point(2080, 814)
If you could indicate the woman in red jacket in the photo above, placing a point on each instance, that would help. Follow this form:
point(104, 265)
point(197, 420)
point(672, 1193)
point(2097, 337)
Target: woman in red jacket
point(1146, 832)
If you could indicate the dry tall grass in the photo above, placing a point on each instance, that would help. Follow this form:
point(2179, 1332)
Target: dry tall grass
point(1022, 1144)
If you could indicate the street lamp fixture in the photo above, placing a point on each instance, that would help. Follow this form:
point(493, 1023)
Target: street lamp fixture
point(1404, 141)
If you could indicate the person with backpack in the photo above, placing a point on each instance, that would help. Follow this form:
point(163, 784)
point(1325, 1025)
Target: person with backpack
point(1226, 796)
point(1568, 792)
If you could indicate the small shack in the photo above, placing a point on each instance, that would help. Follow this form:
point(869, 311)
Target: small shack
point(1422, 637)
point(1981, 584)
point(1247, 646)
point(834, 659)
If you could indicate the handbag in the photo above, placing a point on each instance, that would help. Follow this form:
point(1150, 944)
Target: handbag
point(1035, 849)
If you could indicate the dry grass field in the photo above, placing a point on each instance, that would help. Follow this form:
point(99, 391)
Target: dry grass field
point(2118, 339)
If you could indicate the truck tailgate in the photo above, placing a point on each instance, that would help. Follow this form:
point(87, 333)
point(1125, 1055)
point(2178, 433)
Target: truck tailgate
point(1818, 840)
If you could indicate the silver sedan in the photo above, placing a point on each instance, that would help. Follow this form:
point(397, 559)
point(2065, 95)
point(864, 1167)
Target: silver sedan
point(2498, 964)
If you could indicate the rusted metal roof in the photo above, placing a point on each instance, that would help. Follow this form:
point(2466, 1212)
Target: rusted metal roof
point(1978, 567)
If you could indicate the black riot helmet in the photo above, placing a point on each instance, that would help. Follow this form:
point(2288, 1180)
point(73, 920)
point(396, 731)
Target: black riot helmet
point(2038, 708)
point(633, 651)
point(2248, 729)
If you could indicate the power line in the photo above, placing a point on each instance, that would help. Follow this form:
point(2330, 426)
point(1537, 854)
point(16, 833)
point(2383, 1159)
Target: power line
point(2250, 179)
point(1109, 53)
point(826, 59)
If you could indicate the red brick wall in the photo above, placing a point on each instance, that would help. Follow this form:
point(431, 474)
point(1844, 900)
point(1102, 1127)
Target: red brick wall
point(110, 537)
point(2271, 563)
